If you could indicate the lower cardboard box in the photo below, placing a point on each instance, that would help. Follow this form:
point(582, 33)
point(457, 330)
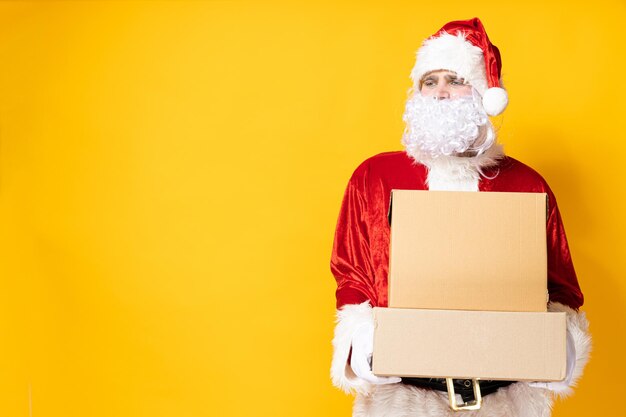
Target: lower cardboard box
point(491, 345)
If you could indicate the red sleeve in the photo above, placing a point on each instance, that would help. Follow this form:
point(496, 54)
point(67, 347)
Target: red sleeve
point(562, 282)
point(350, 260)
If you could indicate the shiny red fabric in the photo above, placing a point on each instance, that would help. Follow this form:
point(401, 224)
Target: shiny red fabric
point(360, 256)
point(477, 35)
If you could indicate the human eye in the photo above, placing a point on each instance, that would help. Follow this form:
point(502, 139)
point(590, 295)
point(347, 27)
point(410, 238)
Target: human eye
point(458, 81)
point(429, 82)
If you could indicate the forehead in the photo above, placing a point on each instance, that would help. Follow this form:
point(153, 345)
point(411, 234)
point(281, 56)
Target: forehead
point(440, 73)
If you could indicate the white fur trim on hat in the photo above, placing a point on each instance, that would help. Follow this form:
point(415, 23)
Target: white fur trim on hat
point(452, 53)
point(349, 318)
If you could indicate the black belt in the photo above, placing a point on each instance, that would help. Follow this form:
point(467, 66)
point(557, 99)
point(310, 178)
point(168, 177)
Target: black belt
point(462, 387)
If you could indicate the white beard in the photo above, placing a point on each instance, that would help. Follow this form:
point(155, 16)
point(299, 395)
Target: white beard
point(454, 138)
point(436, 128)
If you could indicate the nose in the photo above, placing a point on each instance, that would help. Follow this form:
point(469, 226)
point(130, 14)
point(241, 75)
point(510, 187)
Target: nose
point(442, 92)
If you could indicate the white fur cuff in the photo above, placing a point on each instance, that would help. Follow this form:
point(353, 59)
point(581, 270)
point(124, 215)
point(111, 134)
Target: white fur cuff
point(349, 318)
point(578, 326)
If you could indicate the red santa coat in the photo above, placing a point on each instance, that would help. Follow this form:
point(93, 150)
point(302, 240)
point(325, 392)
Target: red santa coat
point(360, 260)
point(360, 257)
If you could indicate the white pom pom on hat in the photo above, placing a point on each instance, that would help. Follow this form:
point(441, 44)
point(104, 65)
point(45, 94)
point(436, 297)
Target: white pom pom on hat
point(463, 46)
point(495, 100)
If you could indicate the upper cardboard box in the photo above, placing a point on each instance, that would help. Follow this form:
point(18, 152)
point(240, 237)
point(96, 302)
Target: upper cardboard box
point(468, 251)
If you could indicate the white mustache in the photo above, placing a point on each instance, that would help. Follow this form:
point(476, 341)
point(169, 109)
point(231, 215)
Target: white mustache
point(436, 128)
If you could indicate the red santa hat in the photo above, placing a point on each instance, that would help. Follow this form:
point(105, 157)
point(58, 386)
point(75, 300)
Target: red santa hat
point(463, 46)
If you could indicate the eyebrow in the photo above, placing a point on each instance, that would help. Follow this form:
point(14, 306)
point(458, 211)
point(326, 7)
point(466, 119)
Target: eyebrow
point(448, 77)
point(453, 77)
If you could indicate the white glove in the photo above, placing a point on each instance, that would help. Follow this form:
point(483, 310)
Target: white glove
point(562, 386)
point(362, 349)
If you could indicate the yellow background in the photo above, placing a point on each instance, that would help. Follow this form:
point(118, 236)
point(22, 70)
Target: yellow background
point(171, 174)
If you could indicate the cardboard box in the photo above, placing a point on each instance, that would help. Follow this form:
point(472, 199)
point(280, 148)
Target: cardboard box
point(468, 251)
point(469, 344)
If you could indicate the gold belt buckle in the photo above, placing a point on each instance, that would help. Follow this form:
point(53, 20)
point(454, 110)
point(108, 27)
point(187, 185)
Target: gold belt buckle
point(470, 405)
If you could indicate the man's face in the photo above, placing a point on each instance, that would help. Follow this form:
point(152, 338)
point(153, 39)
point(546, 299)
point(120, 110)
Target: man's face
point(443, 84)
point(445, 118)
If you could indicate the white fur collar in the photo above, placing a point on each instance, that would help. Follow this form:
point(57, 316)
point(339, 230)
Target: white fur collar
point(457, 173)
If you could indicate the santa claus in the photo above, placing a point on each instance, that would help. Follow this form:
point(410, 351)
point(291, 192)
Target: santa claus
point(450, 144)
